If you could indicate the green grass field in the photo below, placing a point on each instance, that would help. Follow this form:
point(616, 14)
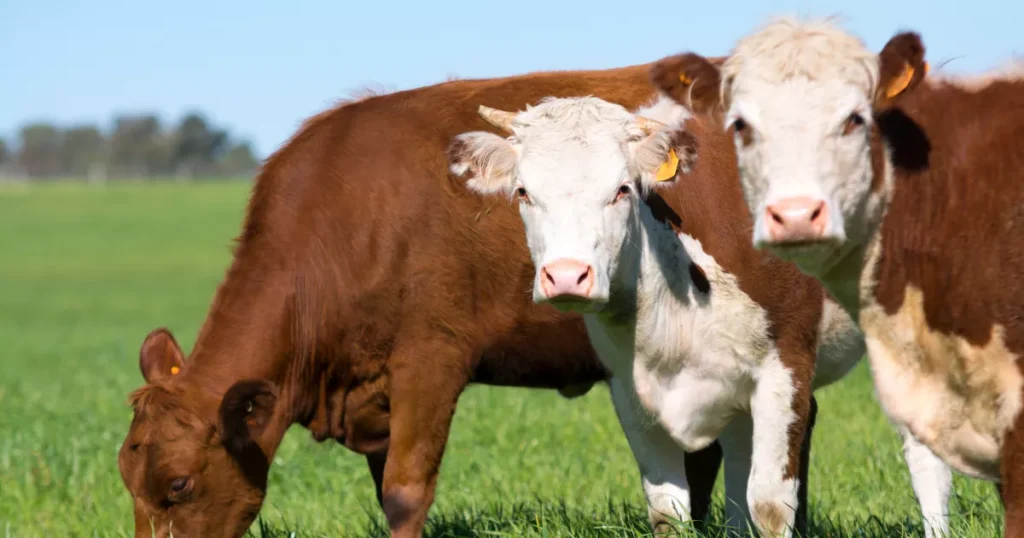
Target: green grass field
point(87, 271)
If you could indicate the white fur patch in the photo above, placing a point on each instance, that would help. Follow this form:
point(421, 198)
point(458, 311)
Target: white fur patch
point(772, 497)
point(659, 457)
point(932, 481)
point(956, 398)
point(665, 110)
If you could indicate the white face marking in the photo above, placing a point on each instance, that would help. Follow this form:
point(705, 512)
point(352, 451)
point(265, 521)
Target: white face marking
point(803, 97)
point(577, 166)
point(799, 144)
point(582, 206)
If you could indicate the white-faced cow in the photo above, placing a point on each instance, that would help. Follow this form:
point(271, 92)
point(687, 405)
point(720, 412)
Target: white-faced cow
point(904, 195)
point(359, 305)
point(705, 336)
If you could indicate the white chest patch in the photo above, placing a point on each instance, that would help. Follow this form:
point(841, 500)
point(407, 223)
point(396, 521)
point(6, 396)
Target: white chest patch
point(693, 358)
point(956, 398)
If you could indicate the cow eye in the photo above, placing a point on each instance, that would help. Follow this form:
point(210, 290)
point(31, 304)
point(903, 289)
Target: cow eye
point(522, 195)
point(854, 121)
point(741, 128)
point(180, 489)
point(623, 193)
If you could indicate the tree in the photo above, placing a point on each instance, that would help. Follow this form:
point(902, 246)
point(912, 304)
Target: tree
point(138, 147)
point(83, 149)
point(39, 155)
point(238, 161)
point(196, 147)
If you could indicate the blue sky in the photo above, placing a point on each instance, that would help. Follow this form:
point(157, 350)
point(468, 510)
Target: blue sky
point(261, 67)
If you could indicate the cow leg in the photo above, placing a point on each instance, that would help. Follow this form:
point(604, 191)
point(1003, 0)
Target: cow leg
point(1011, 484)
point(932, 481)
point(660, 459)
point(805, 466)
point(737, 447)
point(376, 461)
point(781, 408)
point(702, 471)
point(422, 406)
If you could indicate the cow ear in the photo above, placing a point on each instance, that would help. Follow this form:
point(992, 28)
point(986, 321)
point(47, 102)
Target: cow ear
point(160, 357)
point(662, 156)
point(245, 412)
point(690, 80)
point(486, 161)
point(901, 67)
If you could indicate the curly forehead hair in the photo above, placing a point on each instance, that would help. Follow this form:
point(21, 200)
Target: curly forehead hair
point(788, 48)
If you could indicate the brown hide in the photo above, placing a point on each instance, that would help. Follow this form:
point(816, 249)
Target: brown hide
point(367, 288)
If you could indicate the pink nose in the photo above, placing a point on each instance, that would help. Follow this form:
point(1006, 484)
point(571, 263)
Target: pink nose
point(566, 277)
point(796, 219)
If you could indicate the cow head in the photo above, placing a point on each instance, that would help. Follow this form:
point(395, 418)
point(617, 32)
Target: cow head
point(801, 101)
point(192, 459)
point(578, 168)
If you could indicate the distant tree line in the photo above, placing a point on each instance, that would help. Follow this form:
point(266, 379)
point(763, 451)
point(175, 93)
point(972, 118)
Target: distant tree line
point(136, 146)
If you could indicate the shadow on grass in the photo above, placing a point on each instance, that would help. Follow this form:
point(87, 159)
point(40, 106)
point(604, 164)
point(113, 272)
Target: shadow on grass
point(617, 519)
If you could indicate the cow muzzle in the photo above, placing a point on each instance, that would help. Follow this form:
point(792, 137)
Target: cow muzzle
point(567, 280)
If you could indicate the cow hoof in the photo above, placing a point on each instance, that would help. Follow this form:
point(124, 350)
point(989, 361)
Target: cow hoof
point(662, 530)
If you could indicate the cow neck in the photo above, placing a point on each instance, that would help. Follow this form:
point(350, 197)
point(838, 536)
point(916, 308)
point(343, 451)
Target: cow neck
point(846, 279)
point(664, 261)
point(244, 335)
point(653, 265)
point(850, 276)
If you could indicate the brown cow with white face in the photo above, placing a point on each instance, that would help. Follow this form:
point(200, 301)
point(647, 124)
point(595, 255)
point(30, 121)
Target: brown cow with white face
point(367, 290)
point(904, 195)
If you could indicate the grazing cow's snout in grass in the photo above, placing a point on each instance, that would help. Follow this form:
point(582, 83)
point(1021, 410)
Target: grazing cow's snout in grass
point(566, 278)
point(796, 219)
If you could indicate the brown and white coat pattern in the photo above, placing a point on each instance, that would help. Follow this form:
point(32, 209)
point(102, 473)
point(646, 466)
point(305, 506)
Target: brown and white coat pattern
point(903, 194)
point(693, 355)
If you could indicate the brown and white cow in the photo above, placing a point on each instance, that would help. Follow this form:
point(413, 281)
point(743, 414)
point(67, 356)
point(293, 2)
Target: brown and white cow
point(705, 336)
point(904, 195)
point(367, 289)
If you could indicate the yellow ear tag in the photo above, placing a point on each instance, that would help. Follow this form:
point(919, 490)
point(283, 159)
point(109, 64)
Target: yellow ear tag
point(685, 79)
point(667, 170)
point(900, 83)
point(175, 370)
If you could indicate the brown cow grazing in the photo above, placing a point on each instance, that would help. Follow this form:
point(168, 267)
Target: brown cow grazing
point(368, 288)
point(904, 195)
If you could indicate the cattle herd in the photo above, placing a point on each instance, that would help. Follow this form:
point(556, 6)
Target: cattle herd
point(715, 238)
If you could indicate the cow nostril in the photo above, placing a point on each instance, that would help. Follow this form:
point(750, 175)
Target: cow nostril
point(548, 276)
point(816, 214)
point(583, 276)
point(776, 217)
